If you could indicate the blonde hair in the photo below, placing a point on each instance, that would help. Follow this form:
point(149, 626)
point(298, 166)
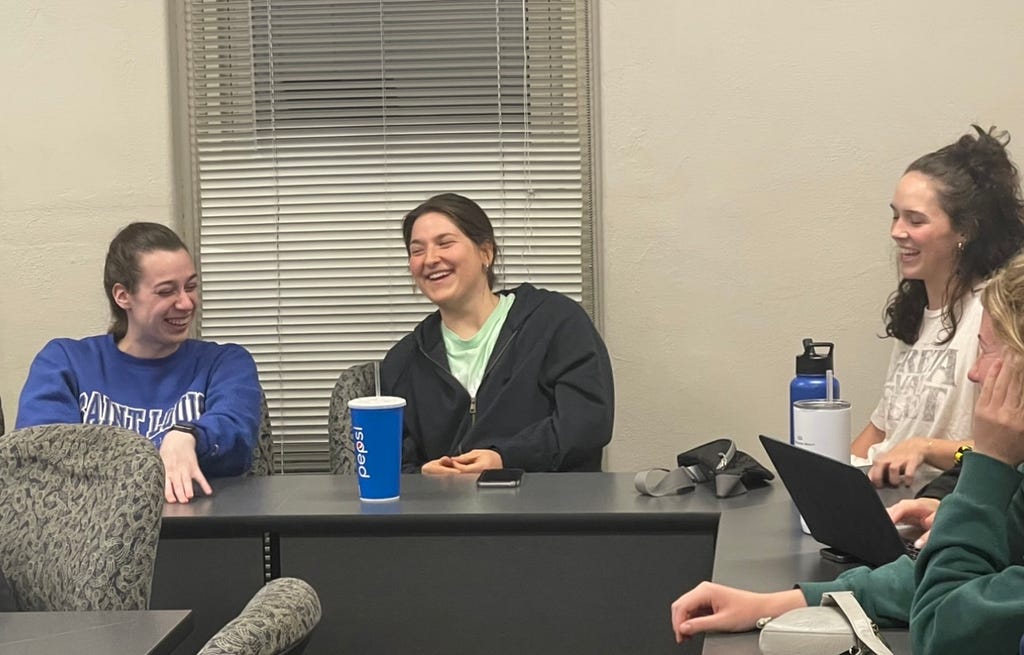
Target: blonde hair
point(1003, 299)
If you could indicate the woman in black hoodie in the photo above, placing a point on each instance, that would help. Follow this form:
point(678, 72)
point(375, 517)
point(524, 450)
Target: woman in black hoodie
point(517, 378)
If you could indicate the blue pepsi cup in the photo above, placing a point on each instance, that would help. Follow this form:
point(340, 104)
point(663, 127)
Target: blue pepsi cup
point(377, 442)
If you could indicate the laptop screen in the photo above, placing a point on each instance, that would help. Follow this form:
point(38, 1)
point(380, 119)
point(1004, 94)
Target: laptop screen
point(841, 507)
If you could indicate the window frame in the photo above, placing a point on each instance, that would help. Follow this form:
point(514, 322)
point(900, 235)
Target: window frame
point(187, 201)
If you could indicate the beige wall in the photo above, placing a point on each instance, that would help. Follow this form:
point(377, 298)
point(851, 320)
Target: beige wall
point(748, 153)
point(85, 149)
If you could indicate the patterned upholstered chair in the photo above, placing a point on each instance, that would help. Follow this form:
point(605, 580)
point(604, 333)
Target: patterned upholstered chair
point(352, 382)
point(278, 619)
point(263, 454)
point(80, 509)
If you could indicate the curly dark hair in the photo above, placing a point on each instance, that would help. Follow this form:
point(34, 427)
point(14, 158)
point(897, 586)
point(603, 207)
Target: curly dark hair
point(979, 189)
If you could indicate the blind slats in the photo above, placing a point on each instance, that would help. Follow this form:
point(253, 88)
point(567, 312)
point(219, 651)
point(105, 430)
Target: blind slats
point(314, 125)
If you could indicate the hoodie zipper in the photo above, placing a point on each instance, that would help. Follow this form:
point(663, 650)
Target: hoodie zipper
point(472, 399)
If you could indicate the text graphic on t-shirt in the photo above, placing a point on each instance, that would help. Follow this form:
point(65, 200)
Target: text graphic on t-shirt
point(98, 408)
point(925, 377)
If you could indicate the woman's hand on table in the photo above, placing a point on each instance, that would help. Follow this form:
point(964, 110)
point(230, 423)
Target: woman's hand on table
point(478, 460)
point(440, 466)
point(474, 461)
point(711, 607)
point(899, 465)
point(181, 467)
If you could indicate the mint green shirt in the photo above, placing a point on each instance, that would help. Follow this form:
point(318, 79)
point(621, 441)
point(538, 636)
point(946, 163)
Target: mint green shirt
point(467, 358)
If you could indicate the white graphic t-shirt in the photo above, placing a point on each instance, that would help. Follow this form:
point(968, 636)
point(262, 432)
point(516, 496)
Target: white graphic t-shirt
point(927, 393)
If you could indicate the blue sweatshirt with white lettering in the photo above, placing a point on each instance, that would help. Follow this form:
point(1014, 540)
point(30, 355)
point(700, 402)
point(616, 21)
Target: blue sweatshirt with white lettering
point(211, 386)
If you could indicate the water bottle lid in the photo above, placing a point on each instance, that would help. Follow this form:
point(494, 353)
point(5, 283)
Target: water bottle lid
point(811, 362)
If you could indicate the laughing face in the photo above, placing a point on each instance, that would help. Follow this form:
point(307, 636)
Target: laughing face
point(924, 234)
point(161, 308)
point(448, 266)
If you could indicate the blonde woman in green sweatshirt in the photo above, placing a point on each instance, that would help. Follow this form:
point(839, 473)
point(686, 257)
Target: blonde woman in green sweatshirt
point(965, 592)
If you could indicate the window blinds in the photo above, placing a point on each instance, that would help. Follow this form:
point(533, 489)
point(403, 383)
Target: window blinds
point(315, 125)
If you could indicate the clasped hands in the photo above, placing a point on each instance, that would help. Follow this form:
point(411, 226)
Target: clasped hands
point(474, 461)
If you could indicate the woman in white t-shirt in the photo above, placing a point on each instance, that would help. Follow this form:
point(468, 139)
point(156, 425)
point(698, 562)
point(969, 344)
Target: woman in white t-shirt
point(957, 218)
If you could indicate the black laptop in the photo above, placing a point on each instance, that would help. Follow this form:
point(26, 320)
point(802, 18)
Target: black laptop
point(839, 504)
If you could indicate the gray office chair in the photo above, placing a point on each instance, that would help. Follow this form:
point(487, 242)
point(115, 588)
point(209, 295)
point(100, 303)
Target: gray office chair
point(278, 620)
point(263, 453)
point(352, 382)
point(80, 509)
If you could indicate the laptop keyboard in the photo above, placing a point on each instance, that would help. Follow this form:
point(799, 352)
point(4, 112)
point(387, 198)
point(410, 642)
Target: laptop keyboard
point(912, 552)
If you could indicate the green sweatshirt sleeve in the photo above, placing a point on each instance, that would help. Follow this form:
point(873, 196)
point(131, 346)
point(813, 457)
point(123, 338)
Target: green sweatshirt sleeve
point(885, 593)
point(969, 598)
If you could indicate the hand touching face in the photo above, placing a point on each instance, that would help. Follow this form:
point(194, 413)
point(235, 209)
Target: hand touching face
point(999, 412)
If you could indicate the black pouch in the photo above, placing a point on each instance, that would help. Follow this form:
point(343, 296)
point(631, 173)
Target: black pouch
point(733, 471)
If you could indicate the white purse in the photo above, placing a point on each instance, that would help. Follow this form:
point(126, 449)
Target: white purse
point(839, 625)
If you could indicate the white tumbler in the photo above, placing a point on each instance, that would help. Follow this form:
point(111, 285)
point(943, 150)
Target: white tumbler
point(823, 427)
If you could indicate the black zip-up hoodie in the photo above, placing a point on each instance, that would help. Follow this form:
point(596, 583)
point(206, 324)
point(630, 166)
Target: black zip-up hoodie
point(545, 403)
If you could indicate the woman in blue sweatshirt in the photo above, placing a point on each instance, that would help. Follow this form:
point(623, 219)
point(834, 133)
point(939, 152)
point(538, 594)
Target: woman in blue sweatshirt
point(197, 401)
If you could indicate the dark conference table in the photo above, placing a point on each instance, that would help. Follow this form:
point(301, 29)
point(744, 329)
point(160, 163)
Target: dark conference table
point(131, 633)
point(567, 563)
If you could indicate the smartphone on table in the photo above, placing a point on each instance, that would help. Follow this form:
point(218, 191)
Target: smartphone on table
point(500, 478)
point(837, 556)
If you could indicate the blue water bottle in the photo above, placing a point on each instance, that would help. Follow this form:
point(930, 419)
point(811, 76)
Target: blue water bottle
point(810, 376)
